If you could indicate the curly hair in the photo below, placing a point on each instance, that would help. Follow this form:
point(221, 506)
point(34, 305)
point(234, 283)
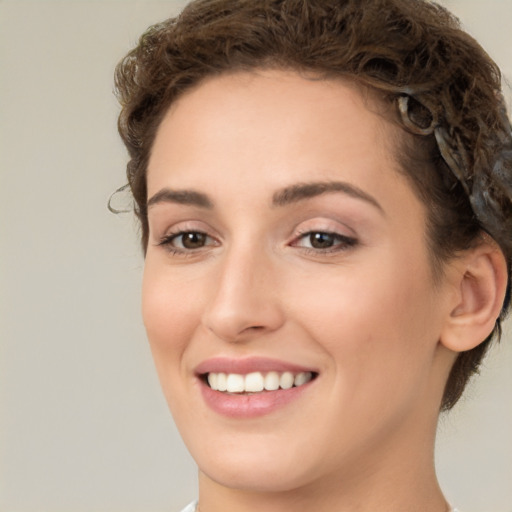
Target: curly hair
point(446, 92)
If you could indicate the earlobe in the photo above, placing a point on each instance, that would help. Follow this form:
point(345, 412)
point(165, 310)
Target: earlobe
point(481, 285)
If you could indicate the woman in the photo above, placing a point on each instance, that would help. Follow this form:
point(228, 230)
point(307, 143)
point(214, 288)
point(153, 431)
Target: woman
point(324, 189)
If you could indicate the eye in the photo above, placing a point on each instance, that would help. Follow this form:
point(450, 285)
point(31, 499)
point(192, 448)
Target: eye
point(184, 241)
point(321, 240)
point(190, 240)
point(324, 241)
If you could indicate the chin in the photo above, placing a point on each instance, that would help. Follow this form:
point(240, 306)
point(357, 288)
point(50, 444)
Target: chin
point(275, 464)
point(256, 475)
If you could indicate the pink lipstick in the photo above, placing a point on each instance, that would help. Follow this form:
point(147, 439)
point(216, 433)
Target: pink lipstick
point(251, 387)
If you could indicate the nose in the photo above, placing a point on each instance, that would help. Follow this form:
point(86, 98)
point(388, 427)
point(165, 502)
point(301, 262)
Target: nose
point(244, 301)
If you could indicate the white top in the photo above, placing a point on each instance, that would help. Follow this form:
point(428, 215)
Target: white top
point(192, 507)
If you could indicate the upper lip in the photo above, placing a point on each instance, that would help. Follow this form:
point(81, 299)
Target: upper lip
point(247, 365)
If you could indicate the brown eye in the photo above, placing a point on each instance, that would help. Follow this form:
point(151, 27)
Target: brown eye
point(190, 240)
point(187, 241)
point(322, 240)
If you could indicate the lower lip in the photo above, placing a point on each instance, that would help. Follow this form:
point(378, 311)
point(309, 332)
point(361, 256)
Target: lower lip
point(251, 405)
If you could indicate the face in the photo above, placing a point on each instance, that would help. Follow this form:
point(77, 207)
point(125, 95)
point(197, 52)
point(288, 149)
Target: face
point(288, 294)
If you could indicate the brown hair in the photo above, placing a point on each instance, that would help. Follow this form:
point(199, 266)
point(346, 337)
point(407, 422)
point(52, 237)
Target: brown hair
point(458, 149)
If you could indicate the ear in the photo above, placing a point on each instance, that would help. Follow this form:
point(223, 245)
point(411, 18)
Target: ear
point(480, 280)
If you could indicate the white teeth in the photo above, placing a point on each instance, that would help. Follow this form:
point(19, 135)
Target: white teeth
point(302, 378)
point(213, 379)
point(235, 383)
point(256, 382)
point(286, 380)
point(222, 382)
point(272, 381)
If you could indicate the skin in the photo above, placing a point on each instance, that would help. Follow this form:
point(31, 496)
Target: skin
point(367, 315)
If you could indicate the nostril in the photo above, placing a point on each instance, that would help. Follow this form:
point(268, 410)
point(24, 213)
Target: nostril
point(235, 317)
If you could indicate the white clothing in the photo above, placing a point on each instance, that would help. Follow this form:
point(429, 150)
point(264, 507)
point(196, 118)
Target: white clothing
point(192, 507)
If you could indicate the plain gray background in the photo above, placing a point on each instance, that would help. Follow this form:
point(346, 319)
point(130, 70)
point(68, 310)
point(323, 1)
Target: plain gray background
point(83, 425)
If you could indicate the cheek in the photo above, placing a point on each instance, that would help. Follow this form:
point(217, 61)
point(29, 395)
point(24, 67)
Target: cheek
point(170, 314)
point(376, 321)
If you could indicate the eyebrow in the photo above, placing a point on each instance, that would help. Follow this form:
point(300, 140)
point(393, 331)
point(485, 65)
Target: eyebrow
point(288, 195)
point(187, 197)
point(301, 191)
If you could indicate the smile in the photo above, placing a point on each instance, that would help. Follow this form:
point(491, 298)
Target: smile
point(244, 388)
point(256, 382)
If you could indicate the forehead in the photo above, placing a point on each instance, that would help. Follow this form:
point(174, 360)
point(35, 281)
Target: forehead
point(239, 139)
point(272, 118)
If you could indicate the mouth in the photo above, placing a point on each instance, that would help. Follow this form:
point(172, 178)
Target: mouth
point(251, 387)
point(256, 382)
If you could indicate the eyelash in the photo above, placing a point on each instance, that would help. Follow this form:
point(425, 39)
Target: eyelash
point(167, 242)
point(340, 242)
